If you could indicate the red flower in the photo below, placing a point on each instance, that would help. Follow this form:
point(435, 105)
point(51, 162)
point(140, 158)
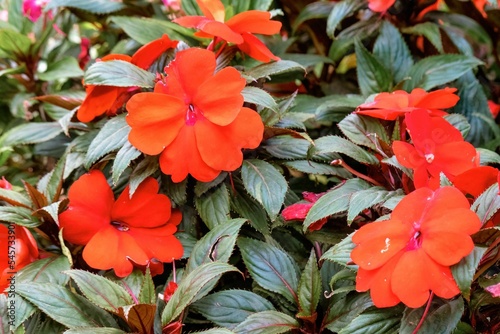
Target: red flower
point(238, 30)
point(120, 233)
point(195, 118)
point(5, 184)
point(299, 211)
point(24, 252)
point(405, 257)
point(437, 147)
point(108, 99)
point(494, 108)
point(398, 103)
point(380, 6)
point(475, 181)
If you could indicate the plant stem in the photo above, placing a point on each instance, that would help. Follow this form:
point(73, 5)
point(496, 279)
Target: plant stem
point(340, 162)
point(425, 313)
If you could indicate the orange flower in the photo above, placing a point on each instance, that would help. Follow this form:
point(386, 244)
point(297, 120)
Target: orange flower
point(195, 118)
point(118, 234)
point(391, 105)
point(108, 99)
point(405, 257)
point(380, 6)
point(437, 147)
point(238, 30)
point(24, 251)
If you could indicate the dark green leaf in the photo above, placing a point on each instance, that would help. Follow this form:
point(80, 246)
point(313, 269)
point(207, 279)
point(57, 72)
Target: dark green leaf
point(287, 147)
point(334, 108)
point(341, 253)
point(315, 10)
point(487, 204)
point(190, 286)
point(267, 322)
point(311, 167)
point(118, 73)
point(100, 291)
point(306, 60)
point(214, 207)
point(443, 317)
point(31, 133)
point(367, 198)
point(259, 97)
point(463, 272)
point(14, 198)
point(14, 43)
point(373, 77)
point(364, 130)
point(148, 293)
point(345, 310)
point(216, 245)
point(334, 201)
point(19, 216)
point(335, 144)
point(340, 11)
point(63, 306)
point(270, 267)
point(265, 184)
point(438, 70)
point(93, 6)
point(391, 50)
point(230, 307)
point(250, 209)
point(112, 136)
point(278, 67)
point(459, 122)
point(203, 187)
point(65, 68)
point(429, 30)
point(378, 321)
point(52, 211)
point(145, 30)
point(124, 157)
point(309, 287)
point(145, 168)
point(95, 330)
point(488, 157)
point(52, 189)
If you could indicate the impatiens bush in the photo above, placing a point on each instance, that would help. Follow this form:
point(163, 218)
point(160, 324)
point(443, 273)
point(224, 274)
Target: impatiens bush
point(262, 167)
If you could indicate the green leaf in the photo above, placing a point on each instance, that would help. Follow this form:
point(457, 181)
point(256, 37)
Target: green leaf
point(259, 97)
point(340, 11)
point(53, 188)
point(265, 184)
point(230, 307)
point(19, 216)
point(95, 330)
point(378, 321)
point(63, 306)
point(315, 10)
point(345, 310)
point(488, 157)
point(190, 286)
point(31, 133)
point(373, 77)
point(52, 211)
point(14, 43)
point(487, 204)
point(145, 168)
point(311, 167)
point(145, 30)
point(287, 147)
point(334, 108)
point(124, 157)
point(202, 187)
point(216, 330)
point(100, 291)
point(93, 6)
point(274, 68)
point(429, 30)
point(5, 319)
point(216, 245)
point(214, 207)
point(438, 70)
point(463, 272)
point(250, 209)
point(459, 122)
point(335, 144)
point(367, 198)
point(364, 130)
point(132, 283)
point(391, 50)
point(267, 322)
point(14, 198)
point(148, 293)
point(334, 201)
point(113, 136)
point(118, 73)
point(443, 317)
point(309, 287)
point(270, 267)
point(67, 67)
point(341, 253)
point(306, 60)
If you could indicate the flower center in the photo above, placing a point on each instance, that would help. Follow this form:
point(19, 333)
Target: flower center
point(415, 241)
point(191, 115)
point(122, 227)
point(429, 157)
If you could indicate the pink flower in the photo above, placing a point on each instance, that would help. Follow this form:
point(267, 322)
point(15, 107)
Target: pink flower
point(32, 9)
point(5, 184)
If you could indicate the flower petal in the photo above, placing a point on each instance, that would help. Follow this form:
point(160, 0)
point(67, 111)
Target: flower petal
point(438, 99)
point(155, 119)
point(476, 180)
point(253, 47)
point(448, 161)
point(98, 100)
point(213, 9)
point(245, 132)
point(297, 211)
point(445, 247)
point(219, 98)
point(255, 22)
point(146, 208)
point(442, 202)
point(221, 30)
point(411, 207)
point(182, 157)
point(163, 246)
point(147, 54)
point(111, 248)
point(91, 200)
point(407, 155)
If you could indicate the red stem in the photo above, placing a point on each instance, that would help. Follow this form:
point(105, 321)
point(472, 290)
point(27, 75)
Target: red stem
point(425, 313)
